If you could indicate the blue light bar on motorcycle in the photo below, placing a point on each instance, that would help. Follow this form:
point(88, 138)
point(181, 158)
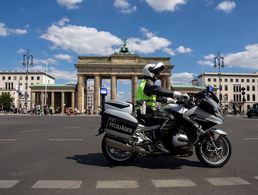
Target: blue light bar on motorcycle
point(103, 91)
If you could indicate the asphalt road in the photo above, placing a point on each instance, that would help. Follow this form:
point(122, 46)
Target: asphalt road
point(62, 155)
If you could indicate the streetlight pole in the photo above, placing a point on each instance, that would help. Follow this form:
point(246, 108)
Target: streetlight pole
point(45, 100)
point(27, 61)
point(219, 62)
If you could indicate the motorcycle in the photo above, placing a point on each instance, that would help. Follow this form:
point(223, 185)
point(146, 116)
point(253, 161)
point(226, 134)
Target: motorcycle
point(188, 125)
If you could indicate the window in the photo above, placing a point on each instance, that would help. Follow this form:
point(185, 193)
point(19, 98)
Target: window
point(247, 80)
point(242, 80)
point(9, 86)
point(247, 88)
point(226, 87)
point(32, 78)
point(15, 78)
point(253, 80)
point(209, 79)
point(9, 78)
point(226, 80)
point(20, 77)
point(214, 79)
point(231, 80)
point(236, 88)
point(253, 97)
point(26, 78)
point(253, 88)
point(237, 80)
point(38, 78)
point(248, 97)
point(3, 78)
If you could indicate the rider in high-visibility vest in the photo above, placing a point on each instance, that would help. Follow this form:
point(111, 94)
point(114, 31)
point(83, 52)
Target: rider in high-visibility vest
point(148, 94)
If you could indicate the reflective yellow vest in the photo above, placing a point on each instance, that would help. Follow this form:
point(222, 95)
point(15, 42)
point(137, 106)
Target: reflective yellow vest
point(141, 96)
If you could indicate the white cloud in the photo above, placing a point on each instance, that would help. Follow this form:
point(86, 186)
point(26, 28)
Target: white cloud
point(63, 74)
point(19, 31)
point(244, 59)
point(69, 76)
point(182, 78)
point(21, 51)
point(82, 39)
point(5, 31)
point(226, 6)
point(124, 6)
point(208, 60)
point(63, 21)
point(70, 4)
point(65, 57)
point(39, 62)
point(165, 5)
point(183, 50)
point(149, 45)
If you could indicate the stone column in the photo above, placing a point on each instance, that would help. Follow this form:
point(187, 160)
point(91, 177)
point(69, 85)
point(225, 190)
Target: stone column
point(85, 95)
point(33, 95)
point(164, 82)
point(96, 94)
point(113, 87)
point(42, 100)
point(53, 100)
point(134, 88)
point(62, 101)
point(80, 93)
point(72, 100)
point(168, 82)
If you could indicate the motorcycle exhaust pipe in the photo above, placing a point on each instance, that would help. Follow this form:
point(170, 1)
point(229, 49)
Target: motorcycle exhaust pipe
point(125, 147)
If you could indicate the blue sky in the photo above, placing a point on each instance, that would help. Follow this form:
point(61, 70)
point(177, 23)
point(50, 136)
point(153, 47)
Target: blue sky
point(189, 31)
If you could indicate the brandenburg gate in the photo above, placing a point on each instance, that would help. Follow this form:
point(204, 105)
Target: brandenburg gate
point(121, 65)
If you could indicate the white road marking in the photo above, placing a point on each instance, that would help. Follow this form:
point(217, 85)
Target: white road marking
point(78, 127)
point(227, 181)
point(8, 183)
point(35, 130)
point(169, 183)
point(250, 138)
point(60, 184)
point(80, 139)
point(7, 140)
point(118, 184)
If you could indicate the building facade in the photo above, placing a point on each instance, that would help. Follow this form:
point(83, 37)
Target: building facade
point(15, 83)
point(231, 87)
point(57, 96)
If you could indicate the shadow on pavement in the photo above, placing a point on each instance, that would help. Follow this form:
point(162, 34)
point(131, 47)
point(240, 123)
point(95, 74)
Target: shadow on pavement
point(161, 162)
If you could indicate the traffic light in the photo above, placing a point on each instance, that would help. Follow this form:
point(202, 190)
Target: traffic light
point(243, 93)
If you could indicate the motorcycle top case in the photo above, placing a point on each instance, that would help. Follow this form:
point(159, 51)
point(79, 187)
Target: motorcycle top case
point(119, 121)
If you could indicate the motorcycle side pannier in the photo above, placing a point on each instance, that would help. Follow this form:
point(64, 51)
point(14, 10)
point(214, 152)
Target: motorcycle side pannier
point(119, 123)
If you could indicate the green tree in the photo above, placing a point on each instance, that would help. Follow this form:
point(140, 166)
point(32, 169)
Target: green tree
point(6, 101)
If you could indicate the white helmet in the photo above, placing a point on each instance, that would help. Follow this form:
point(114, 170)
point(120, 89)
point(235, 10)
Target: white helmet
point(153, 69)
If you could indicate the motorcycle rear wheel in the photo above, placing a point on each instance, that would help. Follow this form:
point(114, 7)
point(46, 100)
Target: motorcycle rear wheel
point(115, 155)
point(214, 157)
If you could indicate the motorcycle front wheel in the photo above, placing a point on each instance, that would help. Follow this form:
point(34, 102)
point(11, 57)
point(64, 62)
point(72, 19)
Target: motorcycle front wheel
point(115, 155)
point(214, 156)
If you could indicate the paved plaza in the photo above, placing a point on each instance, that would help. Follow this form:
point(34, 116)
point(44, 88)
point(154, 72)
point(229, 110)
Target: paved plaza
point(62, 155)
